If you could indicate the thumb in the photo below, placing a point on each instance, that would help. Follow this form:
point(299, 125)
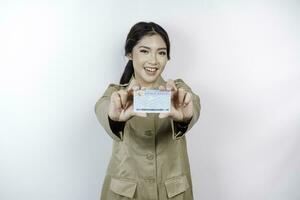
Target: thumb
point(163, 115)
point(140, 114)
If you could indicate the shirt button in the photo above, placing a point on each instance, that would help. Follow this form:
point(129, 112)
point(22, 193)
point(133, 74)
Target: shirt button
point(148, 133)
point(150, 156)
point(150, 180)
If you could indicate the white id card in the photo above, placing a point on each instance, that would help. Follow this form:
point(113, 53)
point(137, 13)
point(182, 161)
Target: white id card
point(152, 101)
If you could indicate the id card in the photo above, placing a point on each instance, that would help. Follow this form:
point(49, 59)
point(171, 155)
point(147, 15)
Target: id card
point(152, 101)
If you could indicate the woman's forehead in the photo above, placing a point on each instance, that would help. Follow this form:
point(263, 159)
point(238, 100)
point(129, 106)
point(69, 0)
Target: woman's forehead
point(153, 41)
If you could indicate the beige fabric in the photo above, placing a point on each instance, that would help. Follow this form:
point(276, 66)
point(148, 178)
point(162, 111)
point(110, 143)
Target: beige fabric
point(149, 159)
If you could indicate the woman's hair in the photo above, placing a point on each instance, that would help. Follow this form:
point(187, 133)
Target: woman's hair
point(135, 34)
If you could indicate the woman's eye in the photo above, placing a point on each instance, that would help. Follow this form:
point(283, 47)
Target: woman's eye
point(144, 51)
point(162, 53)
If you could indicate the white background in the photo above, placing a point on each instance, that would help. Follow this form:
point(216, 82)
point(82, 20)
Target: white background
point(241, 57)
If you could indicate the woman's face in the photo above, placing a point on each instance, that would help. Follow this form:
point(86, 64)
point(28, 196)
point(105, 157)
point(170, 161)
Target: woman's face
point(149, 57)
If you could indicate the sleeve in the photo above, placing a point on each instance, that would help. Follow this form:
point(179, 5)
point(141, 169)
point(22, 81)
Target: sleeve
point(179, 129)
point(113, 128)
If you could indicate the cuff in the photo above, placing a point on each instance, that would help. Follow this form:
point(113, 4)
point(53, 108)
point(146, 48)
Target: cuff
point(179, 128)
point(116, 127)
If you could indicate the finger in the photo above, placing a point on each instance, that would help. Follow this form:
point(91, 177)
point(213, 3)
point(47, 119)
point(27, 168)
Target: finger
point(163, 115)
point(187, 99)
point(170, 114)
point(161, 87)
point(181, 96)
point(128, 103)
point(123, 97)
point(132, 113)
point(170, 85)
point(115, 99)
point(134, 85)
point(140, 114)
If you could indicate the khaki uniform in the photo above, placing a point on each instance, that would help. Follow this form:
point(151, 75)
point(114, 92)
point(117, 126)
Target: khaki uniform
point(149, 158)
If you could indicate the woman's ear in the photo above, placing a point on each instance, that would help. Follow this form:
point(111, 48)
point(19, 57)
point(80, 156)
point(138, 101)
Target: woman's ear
point(129, 56)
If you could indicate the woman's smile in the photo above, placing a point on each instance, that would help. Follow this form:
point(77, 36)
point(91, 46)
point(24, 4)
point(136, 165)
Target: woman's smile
point(149, 59)
point(151, 70)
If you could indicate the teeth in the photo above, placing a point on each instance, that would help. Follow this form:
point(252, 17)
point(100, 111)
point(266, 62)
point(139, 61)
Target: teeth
point(150, 69)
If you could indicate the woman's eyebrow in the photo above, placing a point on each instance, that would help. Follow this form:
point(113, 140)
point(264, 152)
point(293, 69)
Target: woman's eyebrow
point(162, 48)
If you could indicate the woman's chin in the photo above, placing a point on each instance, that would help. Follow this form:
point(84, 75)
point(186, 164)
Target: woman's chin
point(149, 81)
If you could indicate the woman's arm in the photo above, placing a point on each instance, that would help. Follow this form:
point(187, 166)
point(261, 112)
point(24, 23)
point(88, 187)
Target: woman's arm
point(180, 128)
point(115, 107)
point(113, 128)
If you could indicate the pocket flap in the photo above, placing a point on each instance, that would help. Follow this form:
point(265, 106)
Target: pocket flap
point(176, 185)
point(123, 187)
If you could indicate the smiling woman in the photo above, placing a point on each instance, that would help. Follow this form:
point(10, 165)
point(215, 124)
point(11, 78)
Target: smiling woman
point(149, 157)
point(149, 58)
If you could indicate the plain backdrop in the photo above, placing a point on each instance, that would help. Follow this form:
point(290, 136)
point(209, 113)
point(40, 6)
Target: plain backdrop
point(241, 57)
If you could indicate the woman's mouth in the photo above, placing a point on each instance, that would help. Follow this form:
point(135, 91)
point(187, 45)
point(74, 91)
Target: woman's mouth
point(151, 70)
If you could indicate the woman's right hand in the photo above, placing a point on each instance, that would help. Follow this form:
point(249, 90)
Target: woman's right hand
point(121, 104)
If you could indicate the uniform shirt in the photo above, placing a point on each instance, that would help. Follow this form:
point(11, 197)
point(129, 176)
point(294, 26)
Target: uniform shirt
point(149, 156)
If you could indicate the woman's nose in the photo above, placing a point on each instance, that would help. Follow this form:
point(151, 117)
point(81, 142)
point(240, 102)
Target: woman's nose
point(153, 59)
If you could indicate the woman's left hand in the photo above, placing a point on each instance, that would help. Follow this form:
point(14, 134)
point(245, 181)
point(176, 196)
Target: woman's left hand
point(181, 103)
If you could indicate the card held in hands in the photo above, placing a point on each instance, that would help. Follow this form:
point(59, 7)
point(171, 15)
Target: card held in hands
point(152, 101)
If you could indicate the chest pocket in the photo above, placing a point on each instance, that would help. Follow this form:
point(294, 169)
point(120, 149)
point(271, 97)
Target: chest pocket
point(176, 186)
point(123, 187)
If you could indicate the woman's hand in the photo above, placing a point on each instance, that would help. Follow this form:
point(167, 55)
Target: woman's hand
point(181, 103)
point(121, 104)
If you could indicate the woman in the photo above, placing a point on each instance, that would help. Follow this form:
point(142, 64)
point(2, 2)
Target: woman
point(149, 157)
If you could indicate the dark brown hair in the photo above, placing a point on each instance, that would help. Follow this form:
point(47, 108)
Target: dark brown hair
point(135, 34)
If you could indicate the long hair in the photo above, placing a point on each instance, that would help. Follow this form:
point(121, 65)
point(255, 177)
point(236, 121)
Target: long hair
point(135, 34)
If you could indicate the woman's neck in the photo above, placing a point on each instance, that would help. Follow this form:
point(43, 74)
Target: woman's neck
point(145, 84)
